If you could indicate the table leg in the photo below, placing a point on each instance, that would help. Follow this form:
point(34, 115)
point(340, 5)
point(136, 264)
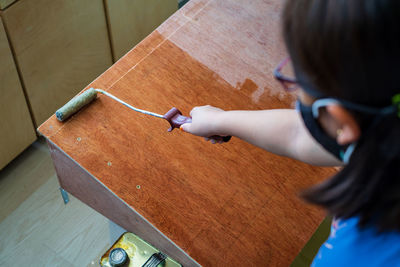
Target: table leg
point(64, 195)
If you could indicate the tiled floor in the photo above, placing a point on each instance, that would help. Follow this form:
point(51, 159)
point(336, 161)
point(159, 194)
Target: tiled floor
point(36, 228)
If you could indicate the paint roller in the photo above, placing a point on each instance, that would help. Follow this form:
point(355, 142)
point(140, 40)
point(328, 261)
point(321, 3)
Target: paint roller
point(173, 116)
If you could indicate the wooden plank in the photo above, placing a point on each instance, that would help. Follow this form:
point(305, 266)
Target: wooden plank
point(6, 3)
point(17, 131)
point(131, 21)
point(60, 46)
point(232, 204)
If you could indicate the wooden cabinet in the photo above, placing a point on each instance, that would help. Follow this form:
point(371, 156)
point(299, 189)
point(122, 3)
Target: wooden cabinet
point(16, 128)
point(130, 21)
point(60, 46)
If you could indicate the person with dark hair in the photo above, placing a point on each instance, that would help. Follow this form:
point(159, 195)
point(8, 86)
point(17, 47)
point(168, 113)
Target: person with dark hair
point(345, 55)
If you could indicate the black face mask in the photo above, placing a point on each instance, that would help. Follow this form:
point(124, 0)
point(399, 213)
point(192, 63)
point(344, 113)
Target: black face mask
point(319, 134)
point(310, 115)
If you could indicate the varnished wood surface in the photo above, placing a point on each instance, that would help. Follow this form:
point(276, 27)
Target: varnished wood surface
point(231, 204)
point(131, 21)
point(60, 46)
point(17, 131)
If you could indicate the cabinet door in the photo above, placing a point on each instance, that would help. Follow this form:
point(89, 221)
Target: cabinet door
point(16, 128)
point(132, 20)
point(60, 46)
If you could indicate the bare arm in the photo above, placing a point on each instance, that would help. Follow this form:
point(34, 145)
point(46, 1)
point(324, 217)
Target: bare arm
point(280, 131)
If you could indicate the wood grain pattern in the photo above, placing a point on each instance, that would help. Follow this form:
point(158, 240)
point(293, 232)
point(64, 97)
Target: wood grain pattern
point(131, 21)
point(6, 3)
point(232, 204)
point(17, 131)
point(60, 46)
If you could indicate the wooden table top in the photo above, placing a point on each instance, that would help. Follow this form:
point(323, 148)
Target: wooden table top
point(232, 203)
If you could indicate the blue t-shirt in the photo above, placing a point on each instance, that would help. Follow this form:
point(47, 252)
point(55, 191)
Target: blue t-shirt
point(348, 245)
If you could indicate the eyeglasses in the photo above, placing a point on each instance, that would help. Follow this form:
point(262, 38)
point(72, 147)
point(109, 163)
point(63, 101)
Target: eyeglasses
point(291, 84)
point(288, 83)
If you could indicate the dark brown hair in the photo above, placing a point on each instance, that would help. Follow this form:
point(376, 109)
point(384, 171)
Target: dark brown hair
point(350, 49)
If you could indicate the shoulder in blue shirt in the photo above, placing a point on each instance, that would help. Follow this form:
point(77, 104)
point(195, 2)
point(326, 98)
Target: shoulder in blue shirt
point(348, 245)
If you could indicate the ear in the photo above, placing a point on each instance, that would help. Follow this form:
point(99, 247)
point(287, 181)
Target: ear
point(349, 131)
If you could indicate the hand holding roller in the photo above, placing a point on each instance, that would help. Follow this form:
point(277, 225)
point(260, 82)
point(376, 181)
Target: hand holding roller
point(176, 119)
point(173, 116)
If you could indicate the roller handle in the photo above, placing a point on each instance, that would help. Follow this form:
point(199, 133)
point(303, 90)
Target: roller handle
point(176, 120)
